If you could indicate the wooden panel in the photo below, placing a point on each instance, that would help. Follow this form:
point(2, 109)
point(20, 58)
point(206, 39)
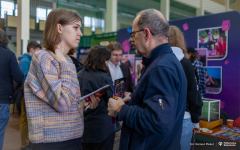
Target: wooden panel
point(32, 24)
point(210, 125)
point(217, 129)
point(11, 21)
point(41, 25)
point(1, 23)
point(98, 31)
point(87, 31)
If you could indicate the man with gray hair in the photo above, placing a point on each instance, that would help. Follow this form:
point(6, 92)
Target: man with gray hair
point(153, 119)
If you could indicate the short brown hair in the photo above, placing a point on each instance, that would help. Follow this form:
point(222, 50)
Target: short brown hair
point(114, 46)
point(176, 38)
point(3, 38)
point(61, 16)
point(33, 45)
point(71, 52)
point(96, 58)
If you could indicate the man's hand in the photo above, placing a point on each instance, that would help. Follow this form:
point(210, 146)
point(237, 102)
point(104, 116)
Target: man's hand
point(93, 103)
point(196, 130)
point(126, 98)
point(113, 105)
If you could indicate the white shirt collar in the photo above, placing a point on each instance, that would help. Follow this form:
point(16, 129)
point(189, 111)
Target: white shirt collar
point(116, 72)
point(112, 65)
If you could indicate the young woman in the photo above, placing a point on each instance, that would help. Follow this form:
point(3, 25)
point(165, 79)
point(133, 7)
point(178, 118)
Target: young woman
point(194, 102)
point(51, 88)
point(98, 134)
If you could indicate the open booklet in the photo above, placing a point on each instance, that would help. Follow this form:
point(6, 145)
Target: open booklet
point(97, 93)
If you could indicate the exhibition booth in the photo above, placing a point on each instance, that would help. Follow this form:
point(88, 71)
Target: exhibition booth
point(215, 38)
point(206, 34)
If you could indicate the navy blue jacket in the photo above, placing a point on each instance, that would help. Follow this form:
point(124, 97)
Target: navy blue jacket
point(9, 71)
point(147, 125)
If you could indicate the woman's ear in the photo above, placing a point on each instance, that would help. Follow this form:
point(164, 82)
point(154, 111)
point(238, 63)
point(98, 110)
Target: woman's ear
point(59, 28)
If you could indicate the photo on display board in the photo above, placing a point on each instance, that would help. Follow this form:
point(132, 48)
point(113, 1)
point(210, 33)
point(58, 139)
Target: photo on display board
point(215, 40)
point(138, 68)
point(213, 77)
point(129, 60)
point(202, 55)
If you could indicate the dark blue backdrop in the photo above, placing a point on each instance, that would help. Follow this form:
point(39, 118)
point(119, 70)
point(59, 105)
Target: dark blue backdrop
point(230, 95)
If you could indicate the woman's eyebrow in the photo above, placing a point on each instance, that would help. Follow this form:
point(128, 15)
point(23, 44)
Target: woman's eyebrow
point(77, 24)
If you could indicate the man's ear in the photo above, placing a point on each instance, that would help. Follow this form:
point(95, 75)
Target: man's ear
point(147, 33)
point(59, 28)
point(31, 50)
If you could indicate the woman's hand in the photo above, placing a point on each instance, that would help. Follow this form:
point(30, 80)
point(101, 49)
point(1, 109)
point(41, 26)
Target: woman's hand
point(196, 130)
point(93, 103)
point(59, 56)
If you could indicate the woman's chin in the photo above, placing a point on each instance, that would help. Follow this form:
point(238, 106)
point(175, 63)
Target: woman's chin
point(74, 46)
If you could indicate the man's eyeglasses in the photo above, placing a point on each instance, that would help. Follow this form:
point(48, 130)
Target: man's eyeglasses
point(116, 55)
point(133, 33)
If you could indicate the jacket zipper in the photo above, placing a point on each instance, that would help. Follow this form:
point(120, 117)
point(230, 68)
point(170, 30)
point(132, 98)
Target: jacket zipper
point(161, 104)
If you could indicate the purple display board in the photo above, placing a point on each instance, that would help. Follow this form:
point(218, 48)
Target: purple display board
point(225, 56)
point(129, 49)
point(129, 59)
point(202, 54)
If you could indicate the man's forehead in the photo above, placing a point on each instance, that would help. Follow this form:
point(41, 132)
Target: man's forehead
point(117, 51)
point(135, 22)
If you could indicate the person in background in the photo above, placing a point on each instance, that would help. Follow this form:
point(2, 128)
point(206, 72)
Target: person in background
point(73, 55)
point(209, 79)
point(139, 68)
point(220, 47)
point(99, 134)
point(153, 119)
point(202, 44)
point(210, 43)
point(51, 89)
point(128, 62)
point(25, 59)
point(9, 72)
point(199, 71)
point(118, 69)
point(24, 64)
point(194, 103)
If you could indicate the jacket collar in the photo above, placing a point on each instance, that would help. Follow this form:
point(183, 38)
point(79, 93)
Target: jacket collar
point(159, 50)
point(4, 47)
